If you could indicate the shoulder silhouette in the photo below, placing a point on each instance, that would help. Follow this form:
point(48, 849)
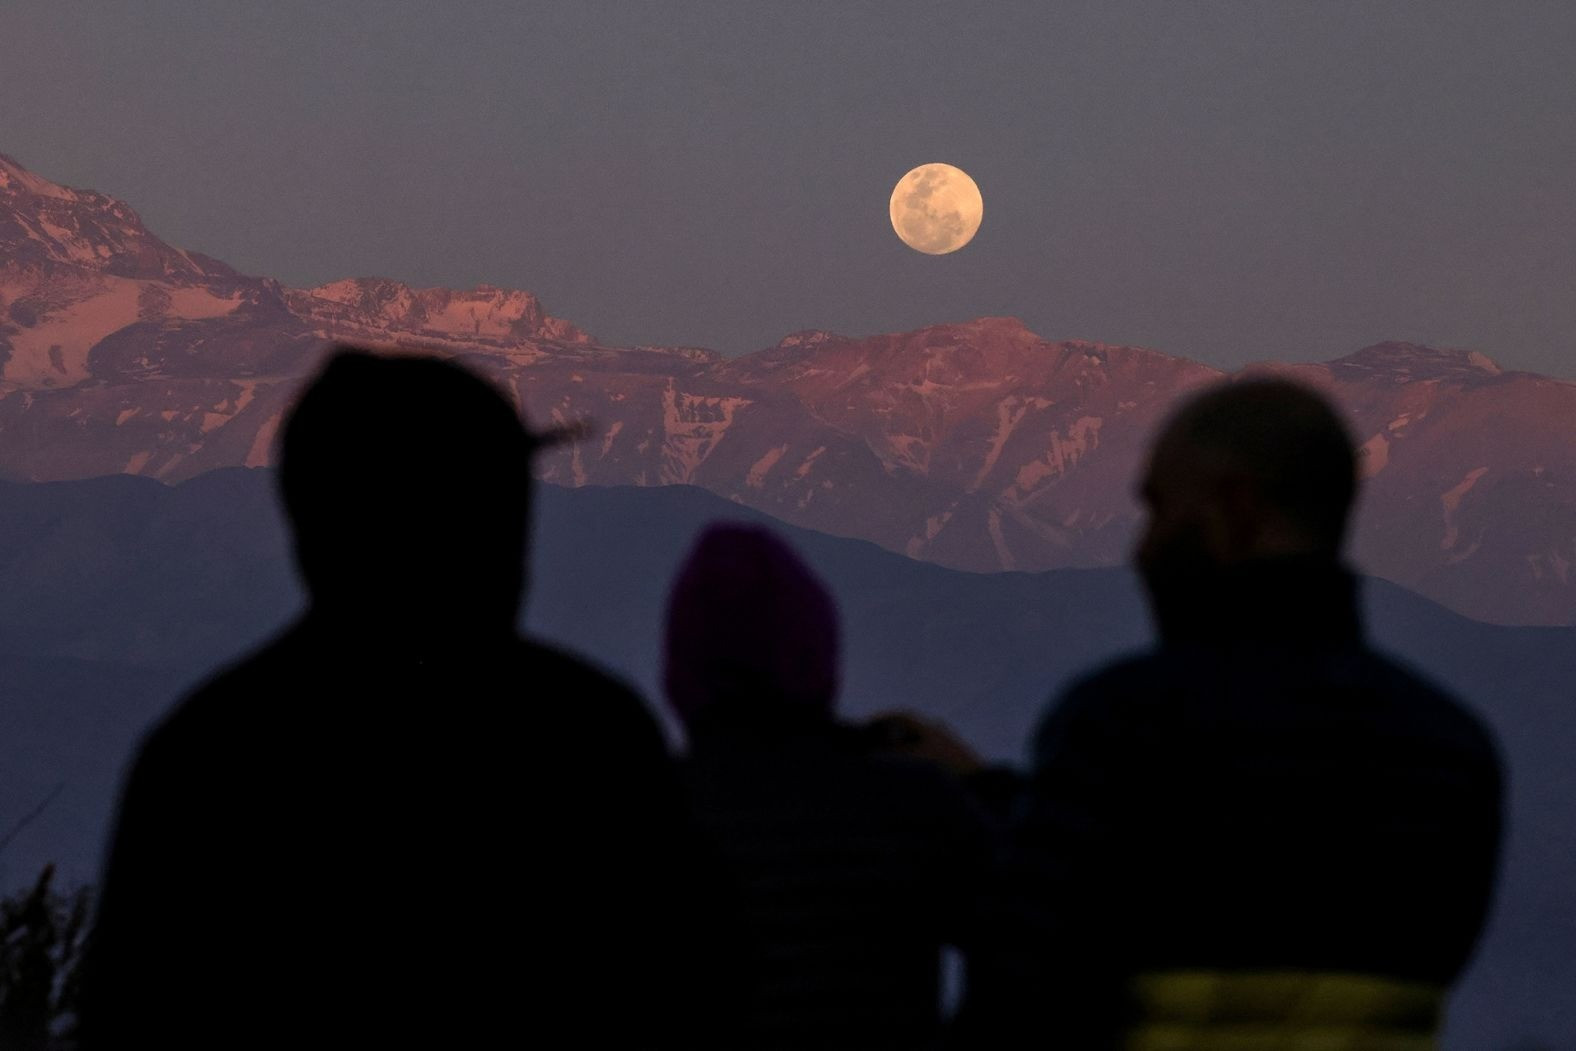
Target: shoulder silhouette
point(1263, 828)
point(399, 820)
point(854, 866)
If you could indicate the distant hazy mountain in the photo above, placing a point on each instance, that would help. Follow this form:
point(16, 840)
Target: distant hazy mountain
point(977, 446)
point(117, 592)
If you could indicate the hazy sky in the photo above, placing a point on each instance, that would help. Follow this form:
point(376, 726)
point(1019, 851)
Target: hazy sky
point(1224, 181)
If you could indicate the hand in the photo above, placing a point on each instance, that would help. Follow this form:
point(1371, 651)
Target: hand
point(908, 734)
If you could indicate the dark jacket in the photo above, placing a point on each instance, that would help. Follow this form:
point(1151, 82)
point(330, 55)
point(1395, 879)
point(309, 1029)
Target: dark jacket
point(1263, 793)
point(352, 842)
point(854, 870)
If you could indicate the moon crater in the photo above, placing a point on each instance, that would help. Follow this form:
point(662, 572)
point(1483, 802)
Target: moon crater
point(936, 209)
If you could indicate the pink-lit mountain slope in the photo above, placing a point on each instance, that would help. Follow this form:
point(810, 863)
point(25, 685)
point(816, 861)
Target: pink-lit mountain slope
point(978, 446)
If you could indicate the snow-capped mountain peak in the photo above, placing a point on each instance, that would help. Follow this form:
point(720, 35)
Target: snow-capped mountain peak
point(977, 444)
point(1413, 361)
point(45, 224)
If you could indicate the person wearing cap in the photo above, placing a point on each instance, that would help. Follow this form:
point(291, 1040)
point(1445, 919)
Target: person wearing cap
point(399, 823)
point(1262, 833)
point(854, 866)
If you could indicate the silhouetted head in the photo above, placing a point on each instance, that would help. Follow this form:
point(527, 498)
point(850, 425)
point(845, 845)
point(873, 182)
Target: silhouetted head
point(407, 481)
point(749, 625)
point(1248, 470)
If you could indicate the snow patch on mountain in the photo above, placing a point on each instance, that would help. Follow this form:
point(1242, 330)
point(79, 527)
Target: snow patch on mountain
point(483, 313)
point(257, 455)
point(196, 302)
point(17, 179)
point(908, 451)
point(51, 333)
point(756, 477)
point(933, 527)
point(612, 433)
point(1009, 413)
point(692, 425)
point(1479, 360)
point(1411, 362)
point(813, 337)
point(1451, 502)
point(1373, 455)
point(1082, 438)
point(809, 462)
point(245, 391)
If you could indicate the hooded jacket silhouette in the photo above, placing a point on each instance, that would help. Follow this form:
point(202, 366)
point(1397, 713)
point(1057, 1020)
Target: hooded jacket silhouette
point(853, 867)
point(399, 821)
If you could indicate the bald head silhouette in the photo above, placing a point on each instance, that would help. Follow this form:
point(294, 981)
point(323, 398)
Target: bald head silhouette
point(1245, 471)
point(407, 483)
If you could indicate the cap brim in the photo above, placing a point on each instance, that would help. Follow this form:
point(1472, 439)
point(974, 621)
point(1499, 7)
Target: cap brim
point(563, 434)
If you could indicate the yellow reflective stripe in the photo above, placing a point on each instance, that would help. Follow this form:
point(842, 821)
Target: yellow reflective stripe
point(1273, 1038)
point(1282, 1011)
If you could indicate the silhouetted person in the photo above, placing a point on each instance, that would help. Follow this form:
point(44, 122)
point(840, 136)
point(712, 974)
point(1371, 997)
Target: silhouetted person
point(854, 866)
point(1262, 830)
point(399, 824)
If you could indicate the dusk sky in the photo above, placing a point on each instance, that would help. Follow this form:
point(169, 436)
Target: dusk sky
point(1228, 182)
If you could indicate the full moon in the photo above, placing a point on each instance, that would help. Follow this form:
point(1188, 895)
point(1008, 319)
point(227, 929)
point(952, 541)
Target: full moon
point(936, 208)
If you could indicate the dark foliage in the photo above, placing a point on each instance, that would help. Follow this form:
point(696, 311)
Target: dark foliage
point(42, 935)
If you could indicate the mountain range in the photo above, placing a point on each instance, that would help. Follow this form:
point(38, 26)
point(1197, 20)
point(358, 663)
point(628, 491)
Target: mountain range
point(978, 446)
